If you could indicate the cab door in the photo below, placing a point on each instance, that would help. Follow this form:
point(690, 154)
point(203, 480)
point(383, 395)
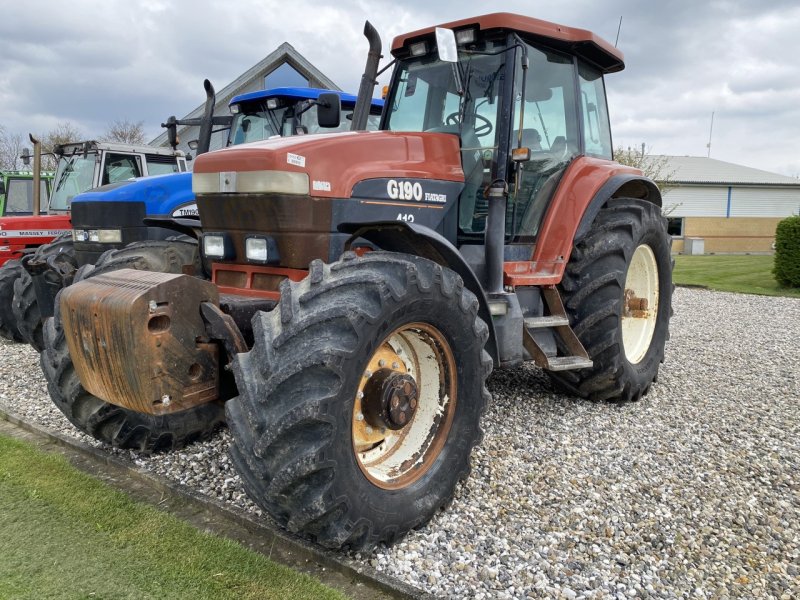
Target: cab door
point(119, 166)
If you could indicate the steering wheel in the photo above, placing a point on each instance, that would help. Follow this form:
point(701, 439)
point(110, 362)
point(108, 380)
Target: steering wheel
point(485, 127)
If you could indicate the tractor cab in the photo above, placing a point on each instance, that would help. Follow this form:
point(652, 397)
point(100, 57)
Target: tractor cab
point(86, 165)
point(289, 111)
point(16, 192)
point(523, 108)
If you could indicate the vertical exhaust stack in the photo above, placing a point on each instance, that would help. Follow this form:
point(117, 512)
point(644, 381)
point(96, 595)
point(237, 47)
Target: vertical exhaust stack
point(207, 122)
point(37, 174)
point(368, 79)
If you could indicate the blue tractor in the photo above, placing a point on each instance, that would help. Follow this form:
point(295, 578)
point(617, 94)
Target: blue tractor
point(147, 223)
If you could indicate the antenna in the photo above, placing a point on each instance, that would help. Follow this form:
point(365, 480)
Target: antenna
point(618, 29)
point(710, 131)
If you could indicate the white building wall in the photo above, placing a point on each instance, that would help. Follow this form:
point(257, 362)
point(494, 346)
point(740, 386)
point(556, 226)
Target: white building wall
point(696, 201)
point(764, 202)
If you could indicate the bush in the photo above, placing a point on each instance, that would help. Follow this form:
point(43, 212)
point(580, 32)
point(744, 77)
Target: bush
point(787, 252)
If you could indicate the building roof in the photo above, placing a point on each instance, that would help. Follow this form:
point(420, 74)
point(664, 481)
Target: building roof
point(285, 53)
point(702, 170)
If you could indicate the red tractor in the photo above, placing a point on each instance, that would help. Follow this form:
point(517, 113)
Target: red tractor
point(355, 290)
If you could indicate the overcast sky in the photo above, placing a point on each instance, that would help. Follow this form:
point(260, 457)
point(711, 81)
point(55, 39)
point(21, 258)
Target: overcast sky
point(90, 62)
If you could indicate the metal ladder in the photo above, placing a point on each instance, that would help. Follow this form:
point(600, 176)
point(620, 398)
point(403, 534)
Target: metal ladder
point(557, 320)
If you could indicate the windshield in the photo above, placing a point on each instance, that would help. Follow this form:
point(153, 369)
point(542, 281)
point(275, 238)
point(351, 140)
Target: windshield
point(462, 98)
point(75, 174)
point(256, 122)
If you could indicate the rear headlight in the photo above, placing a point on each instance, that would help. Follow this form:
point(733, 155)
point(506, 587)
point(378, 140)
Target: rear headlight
point(466, 36)
point(214, 246)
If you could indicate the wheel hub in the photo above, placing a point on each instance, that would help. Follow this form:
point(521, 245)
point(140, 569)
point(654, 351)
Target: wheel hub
point(390, 399)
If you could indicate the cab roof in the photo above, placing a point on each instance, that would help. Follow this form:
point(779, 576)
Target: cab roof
point(93, 145)
point(580, 42)
point(299, 93)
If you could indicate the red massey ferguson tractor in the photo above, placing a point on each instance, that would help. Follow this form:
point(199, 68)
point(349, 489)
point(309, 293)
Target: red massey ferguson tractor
point(360, 287)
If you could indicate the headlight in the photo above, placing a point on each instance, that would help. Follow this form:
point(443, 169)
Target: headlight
point(251, 182)
point(256, 249)
point(214, 246)
point(103, 236)
point(80, 235)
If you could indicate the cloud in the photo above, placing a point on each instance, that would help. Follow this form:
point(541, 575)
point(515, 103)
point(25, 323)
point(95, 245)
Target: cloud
point(91, 62)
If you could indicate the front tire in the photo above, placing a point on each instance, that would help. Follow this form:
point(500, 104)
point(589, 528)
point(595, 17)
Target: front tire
point(9, 273)
point(114, 425)
point(311, 442)
point(25, 305)
point(617, 290)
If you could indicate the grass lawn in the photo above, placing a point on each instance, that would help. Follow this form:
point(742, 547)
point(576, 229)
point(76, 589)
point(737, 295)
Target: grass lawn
point(64, 534)
point(748, 274)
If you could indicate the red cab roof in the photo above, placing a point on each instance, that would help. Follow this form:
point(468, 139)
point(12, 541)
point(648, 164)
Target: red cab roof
point(581, 42)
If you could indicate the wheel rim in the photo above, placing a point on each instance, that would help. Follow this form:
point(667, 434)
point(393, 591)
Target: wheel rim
point(404, 406)
point(640, 304)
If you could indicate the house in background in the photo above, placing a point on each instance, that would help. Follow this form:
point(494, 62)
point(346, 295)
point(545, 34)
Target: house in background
point(721, 207)
point(284, 67)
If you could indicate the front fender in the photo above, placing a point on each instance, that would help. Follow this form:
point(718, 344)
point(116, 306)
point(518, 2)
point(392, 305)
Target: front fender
point(419, 240)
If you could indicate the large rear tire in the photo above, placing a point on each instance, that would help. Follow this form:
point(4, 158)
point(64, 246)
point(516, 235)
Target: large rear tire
point(361, 399)
point(25, 305)
point(113, 425)
point(9, 273)
point(617, 290)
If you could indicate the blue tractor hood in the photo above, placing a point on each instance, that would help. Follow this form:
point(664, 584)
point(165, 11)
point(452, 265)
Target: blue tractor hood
point(163, 195)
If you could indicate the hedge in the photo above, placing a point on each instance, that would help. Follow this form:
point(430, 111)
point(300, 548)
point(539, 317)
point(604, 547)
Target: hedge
point(787, 252)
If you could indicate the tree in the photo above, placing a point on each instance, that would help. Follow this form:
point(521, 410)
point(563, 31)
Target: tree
point(125, 132)
point(654, 167)
point(63, 133)
point(10, 150)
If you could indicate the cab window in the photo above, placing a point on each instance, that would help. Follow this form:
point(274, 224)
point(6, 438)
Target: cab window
point(120, 167)
point(596, 128)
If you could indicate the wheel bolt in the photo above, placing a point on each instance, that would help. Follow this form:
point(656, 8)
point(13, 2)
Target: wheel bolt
point(367, 373)
point(381, 363)
point(369, 430)
point(395, 365)
point(413, 403)
point(360, 417)
point(401, 418)
point(360, 395)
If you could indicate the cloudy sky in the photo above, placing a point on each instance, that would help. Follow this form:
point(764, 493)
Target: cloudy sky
point(90, 62)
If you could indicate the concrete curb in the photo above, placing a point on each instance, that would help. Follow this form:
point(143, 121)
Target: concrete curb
point(358, 582)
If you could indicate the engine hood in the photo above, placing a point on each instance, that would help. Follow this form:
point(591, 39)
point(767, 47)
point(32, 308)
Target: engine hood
point(161, 194)
point(335, 163)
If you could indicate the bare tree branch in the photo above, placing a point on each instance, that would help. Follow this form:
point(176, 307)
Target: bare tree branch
point(125, 132)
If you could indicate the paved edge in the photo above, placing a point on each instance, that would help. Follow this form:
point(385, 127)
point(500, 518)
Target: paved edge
point(210, 514)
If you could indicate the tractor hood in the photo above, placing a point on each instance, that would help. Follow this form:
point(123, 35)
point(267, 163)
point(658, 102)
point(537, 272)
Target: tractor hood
point(335, 163)
point(161, 194)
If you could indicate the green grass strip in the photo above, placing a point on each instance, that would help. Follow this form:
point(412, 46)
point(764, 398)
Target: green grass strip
point(64, 534)
point(746, 274)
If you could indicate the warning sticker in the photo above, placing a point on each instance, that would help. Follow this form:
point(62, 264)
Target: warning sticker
point(295, 159)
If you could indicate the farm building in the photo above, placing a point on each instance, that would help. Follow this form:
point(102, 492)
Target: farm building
point(284, 67)
point(718, 206)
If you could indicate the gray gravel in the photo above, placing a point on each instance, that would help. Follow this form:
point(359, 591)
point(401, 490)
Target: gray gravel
point(692, 492)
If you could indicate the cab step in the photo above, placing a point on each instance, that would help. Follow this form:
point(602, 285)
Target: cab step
point(576, 356)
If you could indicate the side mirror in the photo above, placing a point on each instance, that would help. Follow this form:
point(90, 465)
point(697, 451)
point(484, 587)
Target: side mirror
point(2, 188)
point(329, 109)
point(193, 144)
point(446, 45)
point(26, 157)
point(172, 131)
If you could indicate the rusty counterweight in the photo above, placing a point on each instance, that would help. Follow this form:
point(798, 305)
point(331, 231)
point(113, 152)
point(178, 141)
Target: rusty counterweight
point(137, 339)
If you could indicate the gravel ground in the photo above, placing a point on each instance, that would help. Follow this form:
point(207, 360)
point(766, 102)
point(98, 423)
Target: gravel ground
point(692, 492)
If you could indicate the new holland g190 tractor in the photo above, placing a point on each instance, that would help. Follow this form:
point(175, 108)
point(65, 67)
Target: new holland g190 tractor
point(365, 284)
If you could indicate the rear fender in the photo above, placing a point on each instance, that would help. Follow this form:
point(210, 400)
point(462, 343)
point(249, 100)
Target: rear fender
point(419, 240)
point(618, 186)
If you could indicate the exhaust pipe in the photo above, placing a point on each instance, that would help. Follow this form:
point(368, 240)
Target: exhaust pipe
point(37, 174)
point(368, 79)
point(207, 122)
